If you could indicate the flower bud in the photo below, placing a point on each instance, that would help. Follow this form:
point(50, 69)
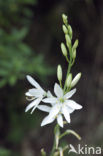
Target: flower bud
point(70, 30)
point(59, 72)
point(74, 54)
point(64, 18)
point(63, 49)
point(75, 44)
point(68, 40)
point(65, 30)
point(69, 80)
point(76, 79)
point(43, 152)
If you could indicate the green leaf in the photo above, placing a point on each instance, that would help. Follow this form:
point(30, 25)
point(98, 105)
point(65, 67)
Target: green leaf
point(67, 132)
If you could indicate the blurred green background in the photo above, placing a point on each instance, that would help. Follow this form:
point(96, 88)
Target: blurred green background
point(30, 37)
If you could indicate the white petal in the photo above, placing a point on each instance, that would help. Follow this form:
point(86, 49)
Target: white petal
point(33, 108)
point(69, 109)
point(39, 100)
point(33, 82)
point(49, 94)
point(50, 100)
point(73, 104)
point(32, 104)
point(60, 120)
point(47, 120)
point(70, 94)
point(66, 114)
point(54, 111)
point(44, 108)
point(36, 92)
point(57, 90)
point(28, 94)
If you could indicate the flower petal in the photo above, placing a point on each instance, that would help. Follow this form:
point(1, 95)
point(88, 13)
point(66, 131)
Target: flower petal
point(54, 111)
point(66, 114)
point(57, 90)
point(32, 104)
point(50, 100)
point(36, 92)
point(73, 104)
point(44, 108)
point(70, 110)
point(47, 120)
point(70, 94)
point(28, 94)
point(60, 120)
point(49, 94)
point(33, 82)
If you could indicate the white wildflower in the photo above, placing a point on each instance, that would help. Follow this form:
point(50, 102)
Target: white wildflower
point(61, 105)
point(35, 95)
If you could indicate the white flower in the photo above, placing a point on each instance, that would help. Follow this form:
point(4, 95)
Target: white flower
point(36, 94)
point(61, 105)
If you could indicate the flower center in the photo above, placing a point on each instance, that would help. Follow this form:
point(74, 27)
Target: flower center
point(61, 100)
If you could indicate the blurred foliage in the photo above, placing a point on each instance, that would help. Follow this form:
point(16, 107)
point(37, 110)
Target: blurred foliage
point(17, 58)
point(19, 125)
point(15, 12)
point(5, 152)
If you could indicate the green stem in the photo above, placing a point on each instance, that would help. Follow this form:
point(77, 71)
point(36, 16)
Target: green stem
point(53, 149)
point(69, 67)
point(56, 130)
point(60, 83)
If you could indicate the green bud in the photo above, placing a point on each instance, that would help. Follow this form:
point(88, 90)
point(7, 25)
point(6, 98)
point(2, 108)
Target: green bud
point(64, 18)
point(43, 152)
point(68, 40)
point(70, 30)
point(69, 80)
point(63, 49)
point(76, 79)
point(75, 45)
point(65, 30)
point(74, 54)
point(59, 73)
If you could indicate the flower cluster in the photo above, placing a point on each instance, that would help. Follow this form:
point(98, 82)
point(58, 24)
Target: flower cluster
point(59, 106)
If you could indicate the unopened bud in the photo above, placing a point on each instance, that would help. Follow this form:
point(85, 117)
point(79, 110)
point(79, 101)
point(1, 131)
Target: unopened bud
point(64, 18)
point(63, 49)
point(76, 79)
point(43, 152)
point(68, 40)
point(74, 54)
point(59, 72)
point(65, 30)
point(69, 80)
point(75, 44)
point(70, 30)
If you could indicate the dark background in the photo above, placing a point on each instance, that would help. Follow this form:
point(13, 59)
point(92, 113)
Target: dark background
point(30, 37)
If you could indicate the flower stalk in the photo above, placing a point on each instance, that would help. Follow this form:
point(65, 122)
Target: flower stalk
point(59, 106)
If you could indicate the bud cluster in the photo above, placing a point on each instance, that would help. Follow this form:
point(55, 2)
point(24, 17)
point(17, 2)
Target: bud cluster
point(69, 52)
